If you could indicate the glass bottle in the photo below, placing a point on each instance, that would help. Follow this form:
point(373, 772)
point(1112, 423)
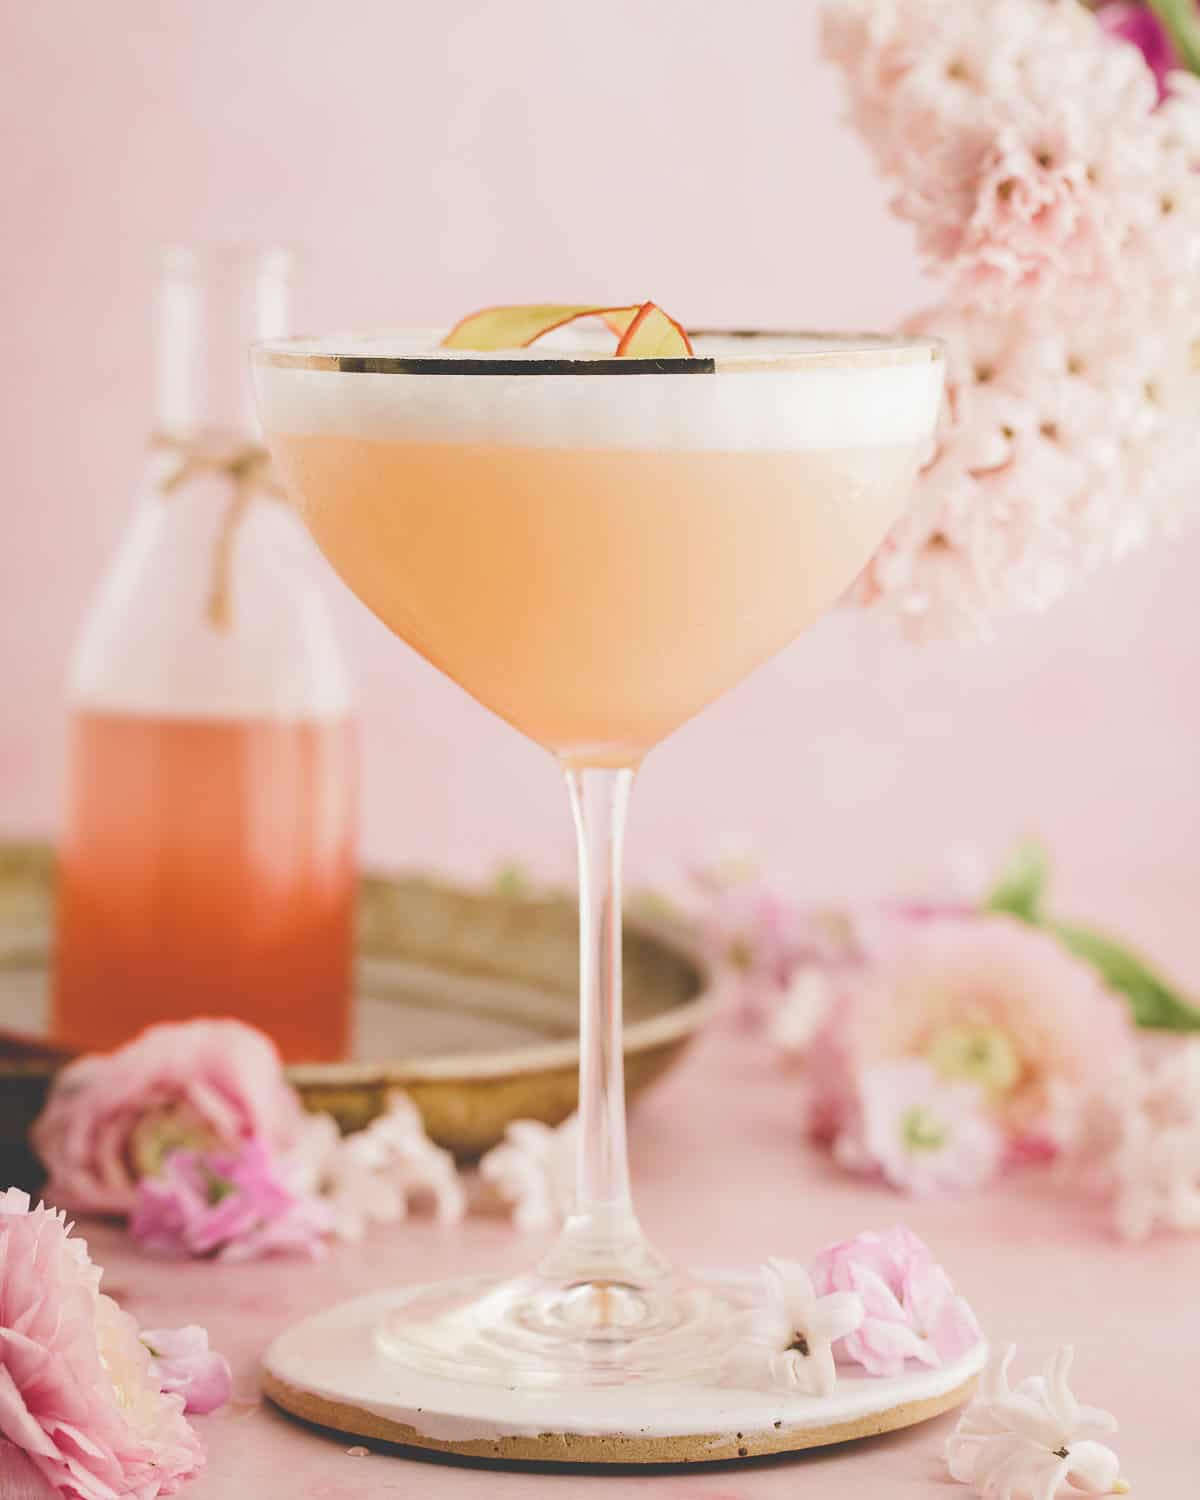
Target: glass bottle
point(207, 862)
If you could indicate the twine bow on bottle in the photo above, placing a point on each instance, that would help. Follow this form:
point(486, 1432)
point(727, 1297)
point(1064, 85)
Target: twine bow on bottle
point(246, 468)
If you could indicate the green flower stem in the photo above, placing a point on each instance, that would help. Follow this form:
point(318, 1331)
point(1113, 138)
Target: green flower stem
point(1155, 1004)
point(1180, 19)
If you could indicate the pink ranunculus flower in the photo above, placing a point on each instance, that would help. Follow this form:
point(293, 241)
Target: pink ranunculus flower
point(911, 1309)
point(233, 1205)
point(188, 1367)
point(19, 1479)
point(113, 1119)
point(984, 1000)
point(922, 1134)
point(81, 1403)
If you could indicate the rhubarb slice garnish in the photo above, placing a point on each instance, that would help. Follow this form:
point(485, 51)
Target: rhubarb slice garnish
point(644, 331)
point(618, 319)
point(653, 334)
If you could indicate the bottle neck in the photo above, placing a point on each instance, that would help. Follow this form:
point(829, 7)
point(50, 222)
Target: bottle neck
point(211, 306)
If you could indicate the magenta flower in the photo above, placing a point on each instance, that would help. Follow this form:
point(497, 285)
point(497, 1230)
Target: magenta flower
point(189, 1368)
point(113, 1119)
point(1139, 25)
point(921, 1133)
point(82, 1410)
point(231, 1205)
point(911, 1310)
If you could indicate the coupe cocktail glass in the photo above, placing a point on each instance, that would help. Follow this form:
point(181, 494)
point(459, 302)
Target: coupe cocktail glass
point(595, 548)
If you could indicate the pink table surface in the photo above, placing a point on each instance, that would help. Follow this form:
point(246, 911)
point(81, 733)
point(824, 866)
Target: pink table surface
point(724, 1177)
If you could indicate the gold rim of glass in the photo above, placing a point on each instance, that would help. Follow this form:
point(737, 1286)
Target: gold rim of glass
point(821, 350)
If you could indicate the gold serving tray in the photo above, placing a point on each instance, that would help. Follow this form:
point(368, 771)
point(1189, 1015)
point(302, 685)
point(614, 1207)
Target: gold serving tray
point(466, 1000)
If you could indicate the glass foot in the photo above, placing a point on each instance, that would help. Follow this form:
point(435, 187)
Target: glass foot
point(537, 1331)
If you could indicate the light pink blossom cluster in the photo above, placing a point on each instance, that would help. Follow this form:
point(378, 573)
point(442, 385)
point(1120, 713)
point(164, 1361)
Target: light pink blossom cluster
point(910, 1308)
point(1137, 1141)
point(193, 1133)
point(233, 1205)
point(1061, 202)
point(187, 1367)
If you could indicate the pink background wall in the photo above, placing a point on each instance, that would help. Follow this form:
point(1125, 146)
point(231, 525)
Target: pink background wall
point(433, 157)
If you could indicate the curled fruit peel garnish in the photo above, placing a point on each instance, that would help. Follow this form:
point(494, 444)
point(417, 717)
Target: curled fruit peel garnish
point(653, 334)
point(644, 330)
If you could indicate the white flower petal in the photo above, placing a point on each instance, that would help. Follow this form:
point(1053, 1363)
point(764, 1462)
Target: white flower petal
point(1010, 1444)
point(1093, 1467)
point(1051, 1480)
point(837, 1315)
point(533, 1171)
point(375, 1174)
point(800, 1328)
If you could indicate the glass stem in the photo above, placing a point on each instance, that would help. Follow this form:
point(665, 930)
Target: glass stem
point(602, 1239)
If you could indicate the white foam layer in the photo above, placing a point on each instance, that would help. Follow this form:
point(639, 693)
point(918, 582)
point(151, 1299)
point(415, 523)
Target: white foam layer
point(591, 342)
point(852, 395)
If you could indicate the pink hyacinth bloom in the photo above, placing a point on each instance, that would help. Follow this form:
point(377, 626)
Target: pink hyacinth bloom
point(1032, 473)
point(748, 931)
point(234, 1206)
point(113, 1119)
point(920, 1133)
point(1059, 199)
point(81, 1402)
point(1030, 221)
point(911, 1308)
point(1138, 1139)
point(983, 1000)
point(187, 1366)
point(986, 118)
point(1140, 26)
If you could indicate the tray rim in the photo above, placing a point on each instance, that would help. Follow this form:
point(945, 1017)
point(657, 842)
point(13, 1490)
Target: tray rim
point(672, 1026)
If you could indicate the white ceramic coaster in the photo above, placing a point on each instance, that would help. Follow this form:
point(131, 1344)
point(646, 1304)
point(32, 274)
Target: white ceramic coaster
point(329, 1370)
